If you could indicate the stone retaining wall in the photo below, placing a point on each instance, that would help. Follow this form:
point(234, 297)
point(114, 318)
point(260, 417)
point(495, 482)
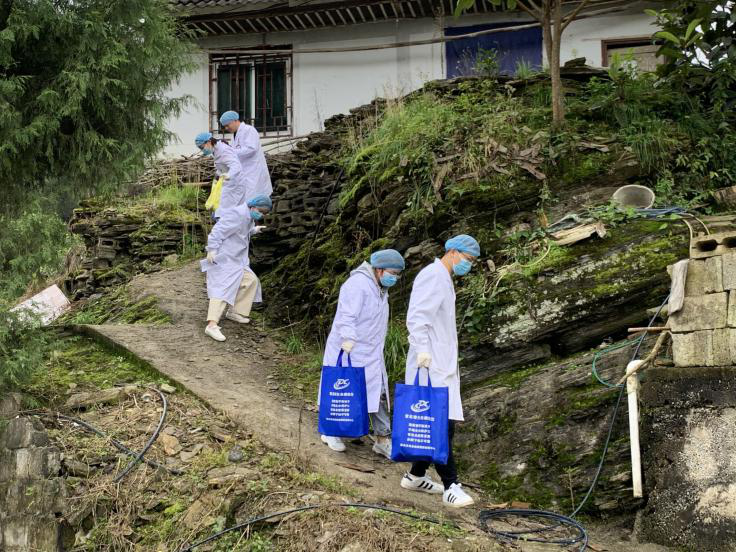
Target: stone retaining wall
point(689, 448)
point(31, 491)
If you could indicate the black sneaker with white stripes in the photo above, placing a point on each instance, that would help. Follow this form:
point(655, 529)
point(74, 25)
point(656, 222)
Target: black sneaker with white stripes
point(424, 484)
point(456, 497)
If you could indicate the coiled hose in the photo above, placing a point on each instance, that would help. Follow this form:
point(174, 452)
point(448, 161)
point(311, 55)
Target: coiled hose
point(137, 456)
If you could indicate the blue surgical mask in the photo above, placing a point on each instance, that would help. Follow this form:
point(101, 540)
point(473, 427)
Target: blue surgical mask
point(256, 214)
point(462, 268)
point(388, 280)
point(206, 152)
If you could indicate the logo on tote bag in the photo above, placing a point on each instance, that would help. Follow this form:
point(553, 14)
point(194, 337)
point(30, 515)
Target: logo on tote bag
point(420, 406)
point(341, 384)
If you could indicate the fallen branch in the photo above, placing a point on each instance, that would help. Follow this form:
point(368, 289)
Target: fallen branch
point(648, 360)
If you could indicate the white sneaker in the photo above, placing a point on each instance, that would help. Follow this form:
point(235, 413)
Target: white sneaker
point(424, 484)
point(214, 332)
point(235, 317)
point(335, 443)
point(383, 447)
point(456, 497)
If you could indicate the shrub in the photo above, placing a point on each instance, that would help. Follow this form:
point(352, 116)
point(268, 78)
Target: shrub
point(23, 347)
point(33, 247)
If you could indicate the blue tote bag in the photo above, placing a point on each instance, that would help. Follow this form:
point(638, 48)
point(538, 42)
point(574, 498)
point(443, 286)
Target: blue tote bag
point(421, 417)
point(343, 401)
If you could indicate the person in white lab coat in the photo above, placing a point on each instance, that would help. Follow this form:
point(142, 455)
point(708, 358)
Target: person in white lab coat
point(247, 145)
point(433, 350)
point(359, 328)
point(230, 281)
point(235, 187)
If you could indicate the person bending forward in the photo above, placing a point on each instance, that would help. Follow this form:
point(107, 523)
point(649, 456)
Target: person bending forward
point(433, 351)
point(359, 328)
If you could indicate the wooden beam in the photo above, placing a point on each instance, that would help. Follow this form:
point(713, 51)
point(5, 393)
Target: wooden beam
point(350, 13)
point(411, 9)
point(319, 18)
point(299, 19)
point(370, 11)
point(310, 20)
point(332, 19)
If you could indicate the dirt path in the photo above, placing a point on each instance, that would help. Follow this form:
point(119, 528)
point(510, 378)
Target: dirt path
point(233, 377)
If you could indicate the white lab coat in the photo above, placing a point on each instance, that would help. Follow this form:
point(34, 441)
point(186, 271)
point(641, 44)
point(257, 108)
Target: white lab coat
point(247, 145)
point(230, 237)
point(432, 329)
point(362, 317)
point(233, 189)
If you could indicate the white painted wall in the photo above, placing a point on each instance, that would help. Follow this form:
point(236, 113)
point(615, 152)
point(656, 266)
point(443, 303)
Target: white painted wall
point(583, 38)
point(194, 118)
point(328, 84)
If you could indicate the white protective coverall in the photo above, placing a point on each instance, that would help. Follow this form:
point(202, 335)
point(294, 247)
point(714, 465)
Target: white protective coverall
point(230, 237)
point(233, 189)
point(247, 145)
point(362, 317)
point(432, 329)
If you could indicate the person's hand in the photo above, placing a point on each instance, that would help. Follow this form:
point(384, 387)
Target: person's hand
point(424, 360)
point(225, 176)
point(258, 229)
point(347, 346)
point(211, 256)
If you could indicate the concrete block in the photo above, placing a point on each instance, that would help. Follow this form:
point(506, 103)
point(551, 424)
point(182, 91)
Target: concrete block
point(688, 349)
point(29, 463)
point(718, 350)
point(703, 312)
point(729, 271)
point(732, 309)
point(23, 432)
point(712, 245)
point(704, 276)
point(15, 534)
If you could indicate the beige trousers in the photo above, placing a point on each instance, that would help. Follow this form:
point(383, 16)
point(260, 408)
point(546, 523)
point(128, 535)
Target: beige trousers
point(243, 300)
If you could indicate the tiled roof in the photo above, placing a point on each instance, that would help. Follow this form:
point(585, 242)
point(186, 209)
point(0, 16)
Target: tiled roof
point(212, 3)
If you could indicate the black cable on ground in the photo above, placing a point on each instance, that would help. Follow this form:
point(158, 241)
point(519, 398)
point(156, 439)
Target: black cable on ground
point(487, 516)
point(148, 445)
point(117, 444)
point(310, 507)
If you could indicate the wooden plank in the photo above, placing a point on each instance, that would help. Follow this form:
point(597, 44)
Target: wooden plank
point(579, 233)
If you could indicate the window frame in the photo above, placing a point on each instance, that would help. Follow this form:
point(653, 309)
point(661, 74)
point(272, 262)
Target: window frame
point(631, 42)
point(218, 61)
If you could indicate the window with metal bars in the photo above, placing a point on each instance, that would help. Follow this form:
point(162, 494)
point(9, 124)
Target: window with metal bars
point(258, 88)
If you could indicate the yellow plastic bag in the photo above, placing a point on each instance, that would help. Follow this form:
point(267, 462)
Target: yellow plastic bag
point(213, 202)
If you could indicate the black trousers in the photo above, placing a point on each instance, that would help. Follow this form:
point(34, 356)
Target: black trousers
point(447, 472)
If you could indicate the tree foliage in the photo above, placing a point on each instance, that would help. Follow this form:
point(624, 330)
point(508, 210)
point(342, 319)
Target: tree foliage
point(554, 16)
point(699, 42)
point(83, 92)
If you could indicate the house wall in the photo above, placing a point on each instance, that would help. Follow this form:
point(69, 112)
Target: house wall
point(328, 84)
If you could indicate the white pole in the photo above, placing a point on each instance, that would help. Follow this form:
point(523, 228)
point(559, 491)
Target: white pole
point(632, 387)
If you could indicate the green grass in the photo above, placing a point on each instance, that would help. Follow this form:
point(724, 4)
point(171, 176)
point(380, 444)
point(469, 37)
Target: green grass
point(85, 365)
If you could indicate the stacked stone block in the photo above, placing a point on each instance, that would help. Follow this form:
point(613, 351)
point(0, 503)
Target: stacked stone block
point(31, 492)
point(704, 331)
